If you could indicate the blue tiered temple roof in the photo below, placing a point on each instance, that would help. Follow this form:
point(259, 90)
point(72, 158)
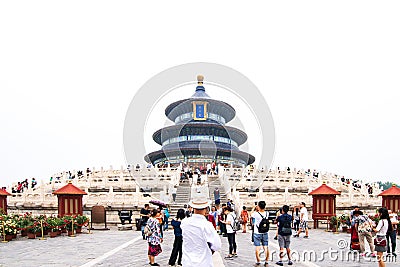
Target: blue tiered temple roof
point(200, 134)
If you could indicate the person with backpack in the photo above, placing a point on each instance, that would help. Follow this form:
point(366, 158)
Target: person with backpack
point(144, 216)
point(261, 228)
point(165, 219)
point(284, 233)
point(363, 225)
point(231, 228)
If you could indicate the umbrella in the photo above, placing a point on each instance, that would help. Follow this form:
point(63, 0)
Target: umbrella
point(158, 203)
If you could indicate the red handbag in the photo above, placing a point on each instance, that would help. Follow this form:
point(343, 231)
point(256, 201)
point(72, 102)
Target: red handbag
point(380, 241)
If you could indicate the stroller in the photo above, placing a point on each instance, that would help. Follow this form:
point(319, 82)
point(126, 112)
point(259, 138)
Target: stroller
point(354, 241)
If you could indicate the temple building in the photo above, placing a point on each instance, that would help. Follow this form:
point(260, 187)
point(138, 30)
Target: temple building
point(200, 134)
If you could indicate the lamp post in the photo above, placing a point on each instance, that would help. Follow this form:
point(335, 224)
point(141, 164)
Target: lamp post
point(41, 228)
point(88, 225)
point(4, 234)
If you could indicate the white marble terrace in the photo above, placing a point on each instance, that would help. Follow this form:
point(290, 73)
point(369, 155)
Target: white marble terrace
point(134, 187)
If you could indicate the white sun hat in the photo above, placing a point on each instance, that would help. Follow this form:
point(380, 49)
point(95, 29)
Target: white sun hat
point(199, 200)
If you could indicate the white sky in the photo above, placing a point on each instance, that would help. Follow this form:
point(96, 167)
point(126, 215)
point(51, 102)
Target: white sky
point(329, 72)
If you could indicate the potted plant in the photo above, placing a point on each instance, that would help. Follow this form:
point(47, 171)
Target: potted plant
point(344, 222)
point(333, 223)
point(60, 225)
point(53, 224)
point(14, 218)
point(42, 223)
point(81, 220)
point(70, 224)
point(33, 229)
point(9, 227)
point(22, 222)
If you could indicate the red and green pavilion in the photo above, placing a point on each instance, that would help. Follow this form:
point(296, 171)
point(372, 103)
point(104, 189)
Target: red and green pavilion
point(70, 200)
point(324, 203)
point(3, 200)
point(391, 198)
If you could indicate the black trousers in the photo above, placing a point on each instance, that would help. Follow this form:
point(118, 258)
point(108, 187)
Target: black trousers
point(176, 250)
point(296, 225)
point(223, 228)
point(232, 243)
point(391, 240)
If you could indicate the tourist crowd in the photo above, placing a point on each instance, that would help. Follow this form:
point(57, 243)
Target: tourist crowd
point(20, 187)
point(197, 227)
point(385, 231)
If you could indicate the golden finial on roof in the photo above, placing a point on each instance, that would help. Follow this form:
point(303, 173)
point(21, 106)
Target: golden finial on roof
point(69, 182)
point(200, 79)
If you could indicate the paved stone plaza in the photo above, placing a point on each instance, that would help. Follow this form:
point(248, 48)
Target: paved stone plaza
point(126, 248)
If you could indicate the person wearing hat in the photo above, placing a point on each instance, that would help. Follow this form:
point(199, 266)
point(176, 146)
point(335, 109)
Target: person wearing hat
point(200, 239)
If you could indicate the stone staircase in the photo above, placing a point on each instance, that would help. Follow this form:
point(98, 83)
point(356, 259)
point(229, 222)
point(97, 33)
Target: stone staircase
point(182, 198)
point(214, 182)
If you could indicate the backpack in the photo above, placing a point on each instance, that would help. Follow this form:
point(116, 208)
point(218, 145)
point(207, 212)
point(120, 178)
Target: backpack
point(236, 224)
point(263, 227)
point(287, 226)
point(166, 212)
point(365, 226)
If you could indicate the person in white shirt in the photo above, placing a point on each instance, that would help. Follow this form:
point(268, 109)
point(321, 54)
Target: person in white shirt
point(230, 231)
point(384, 226)
point(303, 220)
point(208, 168)
point(200, 240)
point(260, 239)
